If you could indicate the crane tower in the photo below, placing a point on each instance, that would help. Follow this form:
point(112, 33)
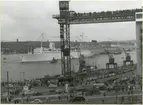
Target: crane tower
point(65, 38)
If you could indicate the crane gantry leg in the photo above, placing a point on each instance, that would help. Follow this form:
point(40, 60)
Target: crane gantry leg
point(62, 48)
point(130, 61)
point(65, 49)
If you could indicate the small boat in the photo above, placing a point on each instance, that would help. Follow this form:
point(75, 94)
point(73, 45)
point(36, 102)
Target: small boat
point(102, 53)
point(117, 53)
point(54, 60)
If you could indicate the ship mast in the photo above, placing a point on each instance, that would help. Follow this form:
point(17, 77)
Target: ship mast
point(42, 43)
point(80, 44)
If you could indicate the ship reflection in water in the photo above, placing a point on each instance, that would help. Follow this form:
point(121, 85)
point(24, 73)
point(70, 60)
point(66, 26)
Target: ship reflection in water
point(39, 69)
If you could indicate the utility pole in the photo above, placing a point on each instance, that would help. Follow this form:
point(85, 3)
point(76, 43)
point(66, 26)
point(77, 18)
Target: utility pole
point(20, 76)
point(8, 84)
point(23, 76)
point(116, 97)
point(116, 91)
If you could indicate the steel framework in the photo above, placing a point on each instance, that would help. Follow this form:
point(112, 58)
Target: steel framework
point(65, 38)
point(67, 17)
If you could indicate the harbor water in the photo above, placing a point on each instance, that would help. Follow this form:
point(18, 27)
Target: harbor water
point(13, 64)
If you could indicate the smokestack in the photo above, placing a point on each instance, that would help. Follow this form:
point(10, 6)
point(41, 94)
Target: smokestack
point(17, 40)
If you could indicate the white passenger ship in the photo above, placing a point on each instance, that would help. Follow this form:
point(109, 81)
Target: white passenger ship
point(47, 54)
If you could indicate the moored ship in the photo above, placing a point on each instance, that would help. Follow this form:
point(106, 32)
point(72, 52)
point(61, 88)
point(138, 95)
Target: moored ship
point(47, 54)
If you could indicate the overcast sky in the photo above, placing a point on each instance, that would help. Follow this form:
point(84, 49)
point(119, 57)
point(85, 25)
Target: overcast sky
point(26, 20)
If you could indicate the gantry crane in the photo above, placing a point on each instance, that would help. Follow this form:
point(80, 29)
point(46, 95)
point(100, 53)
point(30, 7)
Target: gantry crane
point(128, 58)
point(80, 56)
point(68, 17)
point(82, 61)
point(78, 44)
point(111, 60)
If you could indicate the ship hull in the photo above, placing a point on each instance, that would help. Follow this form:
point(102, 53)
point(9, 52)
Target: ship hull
point(49, 56)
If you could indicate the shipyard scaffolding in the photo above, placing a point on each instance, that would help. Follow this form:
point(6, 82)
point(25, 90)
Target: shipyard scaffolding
point(67, 18)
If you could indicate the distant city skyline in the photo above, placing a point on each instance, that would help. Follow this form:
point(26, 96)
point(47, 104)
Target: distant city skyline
point(26, 20)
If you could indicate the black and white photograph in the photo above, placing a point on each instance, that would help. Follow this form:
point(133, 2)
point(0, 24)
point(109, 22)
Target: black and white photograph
point(71, 51)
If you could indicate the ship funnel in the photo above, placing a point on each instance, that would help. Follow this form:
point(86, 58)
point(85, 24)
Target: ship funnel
point(52, 45)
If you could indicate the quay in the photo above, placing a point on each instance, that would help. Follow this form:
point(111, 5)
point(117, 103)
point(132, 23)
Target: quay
point(123, 77)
